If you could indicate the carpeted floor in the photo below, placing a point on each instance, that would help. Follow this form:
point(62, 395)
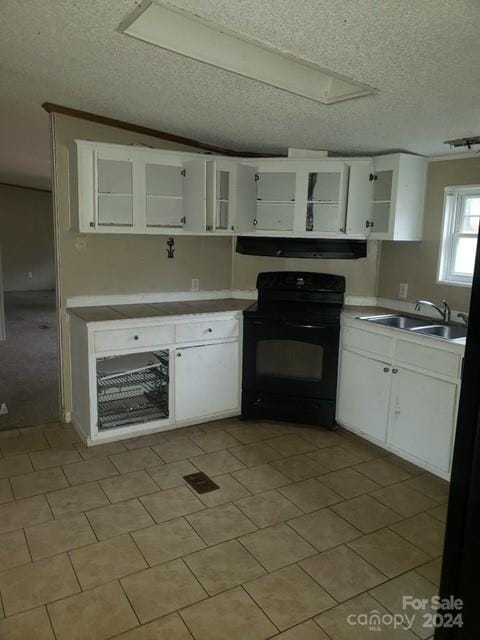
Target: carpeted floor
point(28, 360)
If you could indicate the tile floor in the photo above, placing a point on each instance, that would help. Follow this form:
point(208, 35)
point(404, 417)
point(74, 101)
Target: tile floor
point(308, 526)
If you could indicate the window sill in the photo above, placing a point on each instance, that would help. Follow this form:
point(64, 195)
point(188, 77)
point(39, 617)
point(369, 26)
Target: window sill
point(454, 283)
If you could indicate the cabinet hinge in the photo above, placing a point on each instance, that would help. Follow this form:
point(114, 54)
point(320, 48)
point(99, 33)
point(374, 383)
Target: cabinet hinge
point(257, 177)
point(372, 177)
point(183, 172)
point(183, 220)
point(369, 224)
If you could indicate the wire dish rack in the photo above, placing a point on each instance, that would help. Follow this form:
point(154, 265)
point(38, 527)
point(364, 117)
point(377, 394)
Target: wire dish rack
point(132, 395)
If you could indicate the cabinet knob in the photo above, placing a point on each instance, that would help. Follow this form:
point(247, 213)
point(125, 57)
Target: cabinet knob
point(135, 337)
point(394, 370)
point(92, 224)
point(179, 355)
point(209, 330)
point(386, 369)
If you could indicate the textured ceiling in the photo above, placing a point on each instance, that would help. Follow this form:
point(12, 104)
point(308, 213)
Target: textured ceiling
point(422, 55)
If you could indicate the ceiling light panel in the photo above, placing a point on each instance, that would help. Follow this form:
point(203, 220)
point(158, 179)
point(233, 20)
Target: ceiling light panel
point(188, 35)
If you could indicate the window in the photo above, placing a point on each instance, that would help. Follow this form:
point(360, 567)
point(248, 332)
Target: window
point(461, 216)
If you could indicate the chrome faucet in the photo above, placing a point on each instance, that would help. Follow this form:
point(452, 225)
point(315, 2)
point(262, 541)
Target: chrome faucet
point(446, 312)
point(463, 317)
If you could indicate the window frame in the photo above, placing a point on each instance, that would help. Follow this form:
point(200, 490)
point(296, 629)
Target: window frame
point(453, 214)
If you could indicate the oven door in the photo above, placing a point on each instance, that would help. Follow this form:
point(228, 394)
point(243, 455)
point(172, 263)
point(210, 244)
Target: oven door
point(290, 358)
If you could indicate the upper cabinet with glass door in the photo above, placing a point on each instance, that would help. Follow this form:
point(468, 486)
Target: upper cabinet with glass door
point(397, 191)
point(221, 175)
point(136, 190)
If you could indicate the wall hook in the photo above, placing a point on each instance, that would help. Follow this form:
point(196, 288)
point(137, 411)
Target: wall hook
point(171, 248)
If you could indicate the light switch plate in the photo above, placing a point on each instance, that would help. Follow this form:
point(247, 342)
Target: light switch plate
point(195, 284)
point(403, 290)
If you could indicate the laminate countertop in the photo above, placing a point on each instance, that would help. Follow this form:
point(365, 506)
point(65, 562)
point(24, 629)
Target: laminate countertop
point(158, 309)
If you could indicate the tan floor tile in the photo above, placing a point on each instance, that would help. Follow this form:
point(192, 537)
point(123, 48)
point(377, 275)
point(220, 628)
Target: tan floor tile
point(171, 475)
point(423, 531)
point(144, 441)
point(228, 491)
point(37, 583)
point(349, 483)
point(366, 514)
point(321, 437)
point(179, 448)
point(405, 501)
point(129, 485)
point(299, 467)
point(217, 463)
point(224, 566)
point(58, 536)
point(389, 552)
point(306, 631)
point(362, 448)
point(105, 561)
point(24, 513)
point(324, 529)
point(135, 460)
point(342, 573)
point(382, 471)
point(100, 450)
point(61, 437)
point(254, 454)
point(431, 486)
point(333, 458)
point(310, 495)
point(15, 465)
point(13, 550)
point(229, 616)
point(170, 627)
point(161, 590)
point(440, 512)
point(33, 441)
point(407, 466)
point(289, 596)
point(171, 503)
point(261, 478)
point(75, 499)
point(6, 494)
point(277, 546)
point(291, 445)
point(33, 624)
point(54, 458)
point(338, 624)
point(268, 508)
point(220, 523)
point(431, 570)
point(97, 614)
point(32, 484)
point(391, 594)
point(248, 433)
point(184, 432)
point(118, 518)
point(215, 441)
point(167, 541)
point(95, 469)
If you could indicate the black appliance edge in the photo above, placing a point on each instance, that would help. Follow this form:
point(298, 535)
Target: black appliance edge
point(321, 248)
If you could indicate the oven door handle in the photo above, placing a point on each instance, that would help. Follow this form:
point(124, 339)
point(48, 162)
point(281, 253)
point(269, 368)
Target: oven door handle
point(299, 325)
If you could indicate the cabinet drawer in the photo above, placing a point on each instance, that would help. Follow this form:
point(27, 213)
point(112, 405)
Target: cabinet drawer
point(207, 330)
point(135, 337)
point(375, 343)
point(428, 358)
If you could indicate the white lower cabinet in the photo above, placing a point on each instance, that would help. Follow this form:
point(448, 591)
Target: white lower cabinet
point(423, 412)
point(364, 394)
point(409, 410)
point(206, 380)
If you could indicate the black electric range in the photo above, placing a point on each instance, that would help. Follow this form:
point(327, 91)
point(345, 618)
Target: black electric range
point(290, 347)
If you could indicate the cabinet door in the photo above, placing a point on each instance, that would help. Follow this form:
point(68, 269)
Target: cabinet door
point(364, 394)
point(206, 380)
point(220, 196)
point(195, 196)
point(164, 186)
point(326, 199)
point(360, 196)
point(275, 200)
point(245, 198)
point(423, 413)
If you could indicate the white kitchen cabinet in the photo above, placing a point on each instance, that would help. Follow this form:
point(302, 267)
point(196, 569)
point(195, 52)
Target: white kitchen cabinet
point(423, 411)
point(398, 191)
point(364, 397)
point(206, 380)
point(221, 188)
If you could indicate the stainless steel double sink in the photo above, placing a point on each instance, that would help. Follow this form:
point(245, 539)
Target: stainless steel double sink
point(419, 325)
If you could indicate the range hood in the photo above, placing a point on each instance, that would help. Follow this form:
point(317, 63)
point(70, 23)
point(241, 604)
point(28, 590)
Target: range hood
point(302, 248)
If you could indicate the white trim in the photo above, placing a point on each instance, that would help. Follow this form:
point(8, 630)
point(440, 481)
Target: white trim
point(139, 298)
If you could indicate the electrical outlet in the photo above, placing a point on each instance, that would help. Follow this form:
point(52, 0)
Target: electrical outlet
point(403, 290)
point(195, 284)
point(29, 274)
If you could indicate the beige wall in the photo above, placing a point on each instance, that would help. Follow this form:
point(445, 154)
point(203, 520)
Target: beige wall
point(417, 262)
point(361, 275)
point(122, 264)
point(26, 239)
